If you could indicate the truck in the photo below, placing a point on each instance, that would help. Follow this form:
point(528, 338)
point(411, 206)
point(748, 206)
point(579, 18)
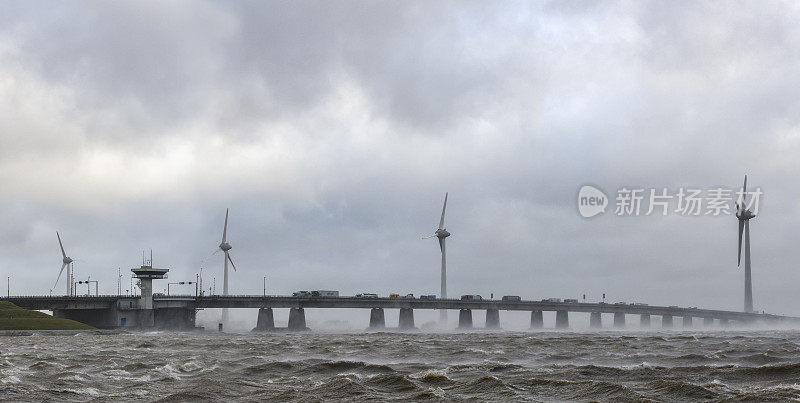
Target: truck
point(301, 294)
point(551, 300)
point(470, 297)
point(511, 298)
point(367, 295)
point(324, 293)
point(393, 296)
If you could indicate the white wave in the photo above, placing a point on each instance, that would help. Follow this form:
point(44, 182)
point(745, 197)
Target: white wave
point(85, 391)
point(9, 379)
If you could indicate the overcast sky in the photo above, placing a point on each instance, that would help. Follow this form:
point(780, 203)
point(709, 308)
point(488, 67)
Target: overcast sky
point(332, 131)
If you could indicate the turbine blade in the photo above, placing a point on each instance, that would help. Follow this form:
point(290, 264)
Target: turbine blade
point(429, 236)
point(441, 244)
point(59, 274)
point(744, 194)
point(225, 228)
point(228, 255)
point(744, 187)
point(441, 222)
point(61, 245)
point(741, 228)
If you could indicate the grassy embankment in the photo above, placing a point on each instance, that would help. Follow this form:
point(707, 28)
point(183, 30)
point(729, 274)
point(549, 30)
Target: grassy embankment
point(13, 317)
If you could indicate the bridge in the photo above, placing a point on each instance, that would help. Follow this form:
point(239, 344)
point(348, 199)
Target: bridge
point(178, 311)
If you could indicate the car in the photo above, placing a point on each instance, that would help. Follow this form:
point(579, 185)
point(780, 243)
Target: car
point(409, 296)
point(640, 304)
point(620, 303)
point(511, 298)
point(674, 306)
point(571, 301)
point(470, 297)
point(427, 297)
point(394, 295)
point(551, 300)
point(692, 307)
point(369, 295)
point(301, 294)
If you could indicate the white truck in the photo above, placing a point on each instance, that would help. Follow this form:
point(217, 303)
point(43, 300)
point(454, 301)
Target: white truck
point(324, 293)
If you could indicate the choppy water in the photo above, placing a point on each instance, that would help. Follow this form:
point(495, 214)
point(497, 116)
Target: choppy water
point(662, 366)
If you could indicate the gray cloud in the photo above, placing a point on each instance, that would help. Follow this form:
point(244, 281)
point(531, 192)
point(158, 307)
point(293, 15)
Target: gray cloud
point(332, 130)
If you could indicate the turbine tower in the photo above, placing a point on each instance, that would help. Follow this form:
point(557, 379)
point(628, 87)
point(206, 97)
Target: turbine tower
point(66, 262)
point(744, 217)
point(225, 247)
point(442, 233)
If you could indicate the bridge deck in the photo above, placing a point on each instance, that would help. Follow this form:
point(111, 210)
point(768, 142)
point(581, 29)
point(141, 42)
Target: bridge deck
point(272, 301)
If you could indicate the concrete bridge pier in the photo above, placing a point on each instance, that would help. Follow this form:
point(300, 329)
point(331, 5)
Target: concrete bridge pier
point(100, 318)
point(297, 319)
point(377, 320)
point(174, 318)
point(595, 320)
point(266, 320)
point(619, 320)
point(465, 319)
point(406, 318)
point(562, 319)
point(666, 321)
point(687, 321)
point(537, 320)
point(644, 320)
point(492, 318)
point(708, 322)
point(723, 323)
point(145, 318)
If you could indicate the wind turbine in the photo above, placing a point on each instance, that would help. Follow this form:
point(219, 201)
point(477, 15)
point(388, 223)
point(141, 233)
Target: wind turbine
point(744, 217)
point(225, 247)
point(442, 233)
point(66, 262)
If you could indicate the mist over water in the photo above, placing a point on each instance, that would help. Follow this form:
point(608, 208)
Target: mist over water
point(606, 365)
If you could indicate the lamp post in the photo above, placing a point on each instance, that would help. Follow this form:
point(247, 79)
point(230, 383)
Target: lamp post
point(88, 289)
point(265, 286)
point(179, 283)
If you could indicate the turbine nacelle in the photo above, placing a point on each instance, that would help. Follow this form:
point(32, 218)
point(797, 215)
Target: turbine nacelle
point(441, 233)
point(225, 246)
point(67, 260)
point(744, 214)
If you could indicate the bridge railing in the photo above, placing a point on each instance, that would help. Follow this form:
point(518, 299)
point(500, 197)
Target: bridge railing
point(3, 298)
